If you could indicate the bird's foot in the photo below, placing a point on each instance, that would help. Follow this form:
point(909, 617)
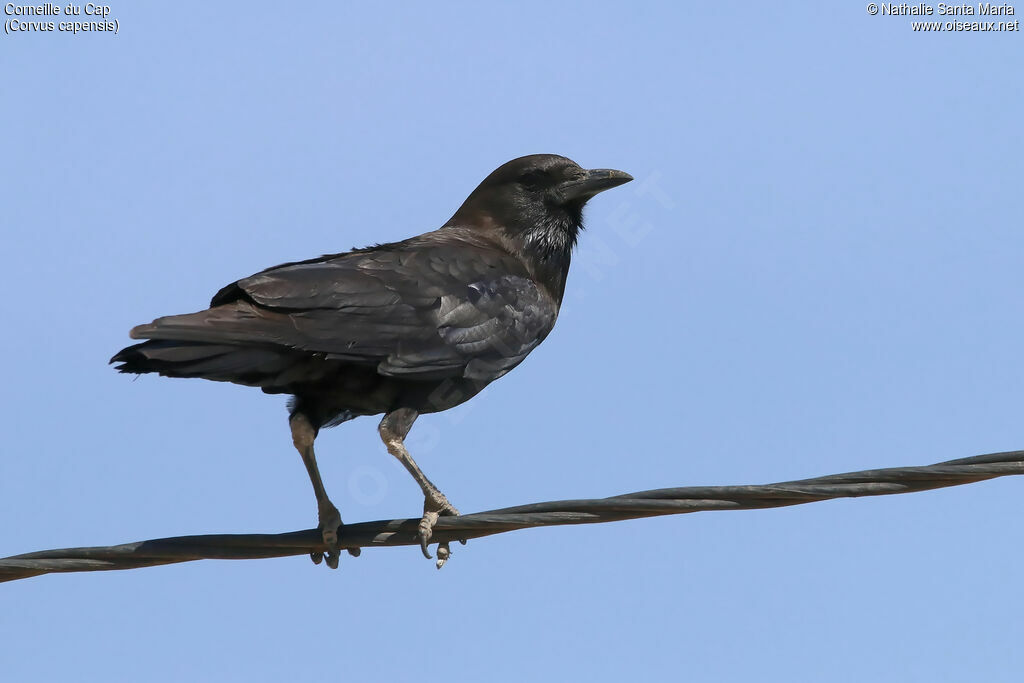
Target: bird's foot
point(435, 504)
point(330, 522)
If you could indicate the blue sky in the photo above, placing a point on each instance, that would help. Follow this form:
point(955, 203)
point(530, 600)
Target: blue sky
point(817, 270)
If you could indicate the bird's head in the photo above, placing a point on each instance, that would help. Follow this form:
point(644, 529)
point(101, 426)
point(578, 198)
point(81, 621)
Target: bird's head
point(537, 202)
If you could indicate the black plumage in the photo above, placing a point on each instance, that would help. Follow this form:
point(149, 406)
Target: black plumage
point(404, 328)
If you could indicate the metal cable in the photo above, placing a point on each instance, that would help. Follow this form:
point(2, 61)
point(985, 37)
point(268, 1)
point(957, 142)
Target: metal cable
point(587, 511)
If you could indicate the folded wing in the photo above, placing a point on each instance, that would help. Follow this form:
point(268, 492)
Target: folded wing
point(428, 313)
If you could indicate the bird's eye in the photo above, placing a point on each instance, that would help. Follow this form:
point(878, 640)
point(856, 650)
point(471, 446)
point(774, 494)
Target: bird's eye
point(534, 179)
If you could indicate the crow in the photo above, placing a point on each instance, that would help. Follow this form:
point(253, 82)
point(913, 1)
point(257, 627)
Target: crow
point(402, 328)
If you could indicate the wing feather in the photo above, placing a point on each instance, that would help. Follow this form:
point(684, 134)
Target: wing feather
point(443, 310)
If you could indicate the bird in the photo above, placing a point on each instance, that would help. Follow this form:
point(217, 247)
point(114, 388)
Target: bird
point(400, 328)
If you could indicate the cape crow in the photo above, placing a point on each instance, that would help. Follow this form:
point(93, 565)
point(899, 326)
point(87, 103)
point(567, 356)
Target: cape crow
point(404, 328)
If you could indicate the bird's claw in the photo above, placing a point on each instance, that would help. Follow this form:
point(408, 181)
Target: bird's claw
point(435, 505)
point(443, 553)
point(332, 557)
point(330, 522)
point(426, 530)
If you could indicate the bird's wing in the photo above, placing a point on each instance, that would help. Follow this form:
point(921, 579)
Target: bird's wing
point(483, 330)
point(427, 313)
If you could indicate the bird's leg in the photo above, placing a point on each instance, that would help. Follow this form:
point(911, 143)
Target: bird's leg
point(393, 430)
point(303, 435)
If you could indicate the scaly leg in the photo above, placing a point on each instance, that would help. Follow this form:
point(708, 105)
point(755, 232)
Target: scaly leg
point(303, 435)
point(393, 430)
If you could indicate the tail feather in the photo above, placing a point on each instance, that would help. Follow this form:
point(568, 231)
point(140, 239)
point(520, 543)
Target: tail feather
point(223, 343)
point(218, 362)
point(230, 343)
point(236, 323)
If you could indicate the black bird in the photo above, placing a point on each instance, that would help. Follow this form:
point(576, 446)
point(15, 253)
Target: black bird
point(404, 328)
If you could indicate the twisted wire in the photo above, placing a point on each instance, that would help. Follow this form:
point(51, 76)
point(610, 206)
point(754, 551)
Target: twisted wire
point(395, 532)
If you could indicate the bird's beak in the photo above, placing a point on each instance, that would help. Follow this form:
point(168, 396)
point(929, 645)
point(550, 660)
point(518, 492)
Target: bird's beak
point(593, 181)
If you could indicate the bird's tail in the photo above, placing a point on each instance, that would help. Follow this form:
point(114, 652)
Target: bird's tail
point(218, 362)
point(204, 344)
